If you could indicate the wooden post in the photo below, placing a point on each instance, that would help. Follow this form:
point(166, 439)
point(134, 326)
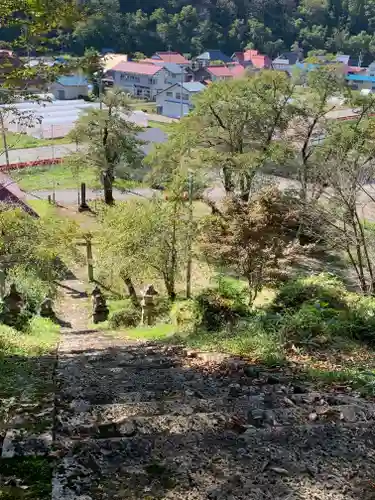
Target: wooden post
point(83, 207)
point(90, 266)
point(2, 281)
point(49, 199)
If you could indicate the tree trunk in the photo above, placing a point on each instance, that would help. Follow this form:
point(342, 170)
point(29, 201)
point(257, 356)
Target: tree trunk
point(131, 290)
point(169, 285)
point(108, 188)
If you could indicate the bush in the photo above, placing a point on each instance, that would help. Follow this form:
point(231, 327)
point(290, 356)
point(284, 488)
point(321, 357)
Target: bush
point(128, 316)
point(185, 315)
point(30, 286)
point(323, 289)
point(220, 306)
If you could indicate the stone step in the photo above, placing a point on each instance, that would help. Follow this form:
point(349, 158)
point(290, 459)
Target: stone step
point(290, 458)
point(27, 443)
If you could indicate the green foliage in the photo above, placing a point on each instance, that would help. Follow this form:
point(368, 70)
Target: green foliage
point(186, 316)
point(319, 289)
point(32, 288)
point(128, 316)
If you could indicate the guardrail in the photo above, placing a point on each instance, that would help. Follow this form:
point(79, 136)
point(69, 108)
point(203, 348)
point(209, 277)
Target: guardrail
point(34, 163)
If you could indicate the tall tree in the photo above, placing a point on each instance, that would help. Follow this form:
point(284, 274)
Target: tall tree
point(111, 138)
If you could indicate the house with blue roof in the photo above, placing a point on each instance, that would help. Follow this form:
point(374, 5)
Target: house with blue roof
point(70, 87)
point(361, 82)
point(177, 100)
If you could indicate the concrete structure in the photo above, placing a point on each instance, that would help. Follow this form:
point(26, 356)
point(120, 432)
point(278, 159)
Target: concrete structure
point(70, 87)
point(146, 80)
point(176, 101)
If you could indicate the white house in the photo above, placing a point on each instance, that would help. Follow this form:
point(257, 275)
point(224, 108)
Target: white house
point(145, 80)
point(176, 101)
point(70, 87)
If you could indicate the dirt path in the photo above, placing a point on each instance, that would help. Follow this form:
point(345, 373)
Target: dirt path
point(142, 421)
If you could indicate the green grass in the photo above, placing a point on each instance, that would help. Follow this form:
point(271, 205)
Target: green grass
point(47, 178)
point(159, 331)
point(24, 141)
point(149, 107)
point(161, 125)
point(25, 478)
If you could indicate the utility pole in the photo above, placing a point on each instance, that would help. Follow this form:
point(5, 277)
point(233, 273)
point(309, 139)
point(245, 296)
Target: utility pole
point(3, 132)
point(100, 89)
point(190, 237)
point(182, 90)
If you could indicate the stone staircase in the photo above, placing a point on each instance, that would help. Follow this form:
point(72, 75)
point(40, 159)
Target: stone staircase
point(146, 422)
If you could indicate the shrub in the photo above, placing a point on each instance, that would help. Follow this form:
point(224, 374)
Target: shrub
point(128, 316)
point(218, 307)
point(30, 286)
point(185, 315)
point(323, 289)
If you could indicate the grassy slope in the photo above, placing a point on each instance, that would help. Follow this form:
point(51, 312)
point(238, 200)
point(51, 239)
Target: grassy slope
point(60, 177)
point(23, 141)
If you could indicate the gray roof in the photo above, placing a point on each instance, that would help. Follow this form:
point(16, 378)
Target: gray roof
point(214, 55)
point(343, 58)
point(192, 86)
point(171, 67)
point(72, 81)
point(291, 57)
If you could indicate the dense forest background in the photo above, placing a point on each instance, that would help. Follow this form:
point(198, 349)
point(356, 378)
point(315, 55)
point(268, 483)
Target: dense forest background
point(191, 26)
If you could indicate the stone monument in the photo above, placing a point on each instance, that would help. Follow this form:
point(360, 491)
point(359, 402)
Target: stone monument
point(13, 306)
point(148, 305)
point(100, 310)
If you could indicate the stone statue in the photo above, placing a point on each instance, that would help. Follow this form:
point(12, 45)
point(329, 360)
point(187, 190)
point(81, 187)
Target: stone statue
point(13, 306)
point(46, 309)
point(148, 305)
point(100, 310)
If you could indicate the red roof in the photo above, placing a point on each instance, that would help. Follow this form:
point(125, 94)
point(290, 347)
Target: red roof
point(137, 68)
point(171, 57)
point(220, 71)
point(260, 61)
point(355, 69)
point(239, 56)
point(237, 70)
point(249, 54)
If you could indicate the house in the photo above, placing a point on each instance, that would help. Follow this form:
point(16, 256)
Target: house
point(361, 82)
point(171, 57)
point(145, 80)
point(213, 74)
point(12, 196)
point(206, 58)
point(237, 70)
point(110, 60)
point(251, 57)
point(176, 101)
point(286, 61)
point(70, 87)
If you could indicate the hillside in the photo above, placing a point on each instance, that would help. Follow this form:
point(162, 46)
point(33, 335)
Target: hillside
point(191, 26)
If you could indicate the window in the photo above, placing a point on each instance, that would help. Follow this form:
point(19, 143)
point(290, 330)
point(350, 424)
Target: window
point(354, 86)
point(178, 95)
point(185, 97)
point(174, 75)
point(169, 94)
point(152, 81)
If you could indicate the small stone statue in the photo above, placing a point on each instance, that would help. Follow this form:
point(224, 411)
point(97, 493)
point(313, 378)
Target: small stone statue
point(100, 310)
point(148, 305)
point(46, 309)
point(13, 305)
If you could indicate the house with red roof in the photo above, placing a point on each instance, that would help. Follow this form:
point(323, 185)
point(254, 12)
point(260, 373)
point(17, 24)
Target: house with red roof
point(144, 80)
point(172, 57)
point(251, 57)
point(213, 74)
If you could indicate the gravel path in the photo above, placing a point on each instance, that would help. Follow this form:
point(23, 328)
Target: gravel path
point(144, 421)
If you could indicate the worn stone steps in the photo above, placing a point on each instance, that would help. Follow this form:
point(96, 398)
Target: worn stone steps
point(197, 461)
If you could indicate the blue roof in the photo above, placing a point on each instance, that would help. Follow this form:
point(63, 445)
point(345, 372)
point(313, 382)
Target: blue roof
point(361, 78)
point(72, 81)
point(172, 67)
point(214, 55)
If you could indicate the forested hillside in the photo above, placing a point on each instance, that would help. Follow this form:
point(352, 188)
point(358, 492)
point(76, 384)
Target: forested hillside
point(190, 26)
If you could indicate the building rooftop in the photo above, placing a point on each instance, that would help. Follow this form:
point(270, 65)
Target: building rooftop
point(72, 81)
point(220, 71)
point(11, 195)
point(171, 57)
point(360, 78)
point(192, 86)
point(137, 68)
point(214, 55)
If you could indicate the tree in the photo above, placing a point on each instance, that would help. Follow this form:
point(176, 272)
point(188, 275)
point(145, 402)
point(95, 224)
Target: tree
point(251, 239)
point(235, 124)
point(145, 239)
point(92, 65)
point(111, 137)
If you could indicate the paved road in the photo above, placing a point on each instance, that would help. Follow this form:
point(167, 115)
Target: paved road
point(150, 136)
